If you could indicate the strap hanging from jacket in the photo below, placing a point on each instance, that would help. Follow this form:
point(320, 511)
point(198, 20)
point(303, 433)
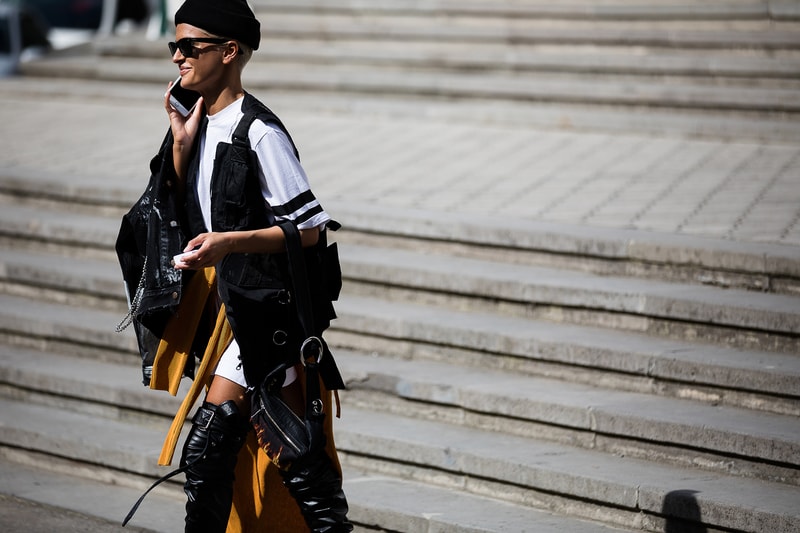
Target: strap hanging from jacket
point(299, 275)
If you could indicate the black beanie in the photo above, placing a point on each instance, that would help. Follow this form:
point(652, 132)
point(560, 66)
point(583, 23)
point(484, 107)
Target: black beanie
point(226, 18)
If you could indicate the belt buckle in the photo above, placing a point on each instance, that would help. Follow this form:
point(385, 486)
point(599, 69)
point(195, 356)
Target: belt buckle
point(210, 419)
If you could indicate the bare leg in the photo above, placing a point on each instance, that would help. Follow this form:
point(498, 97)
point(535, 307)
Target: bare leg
point(222, 389)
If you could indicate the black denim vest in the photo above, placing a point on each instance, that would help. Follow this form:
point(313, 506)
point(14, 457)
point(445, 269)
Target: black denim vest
point(236, 201)
point(253, 286)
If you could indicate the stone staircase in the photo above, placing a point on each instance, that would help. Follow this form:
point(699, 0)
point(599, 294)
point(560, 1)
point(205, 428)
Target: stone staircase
point(558, 375)
point(649, 65)
point(502, 377)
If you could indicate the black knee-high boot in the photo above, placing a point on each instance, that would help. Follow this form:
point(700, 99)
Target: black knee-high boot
point(218, 433)
point(317, 487)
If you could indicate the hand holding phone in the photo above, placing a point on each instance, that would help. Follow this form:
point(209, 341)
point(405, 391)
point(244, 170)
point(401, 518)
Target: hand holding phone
point(182, 100)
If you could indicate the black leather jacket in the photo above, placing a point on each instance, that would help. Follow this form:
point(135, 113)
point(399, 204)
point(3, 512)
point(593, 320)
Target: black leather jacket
point(150, 234)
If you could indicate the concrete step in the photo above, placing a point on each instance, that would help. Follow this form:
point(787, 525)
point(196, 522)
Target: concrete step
point(532, 286)
point(54, 326)
point(375, 500)
point(315, 34)
point(388, 503)
point(614, 487)
point(111, 389)
point(626, 361)
point(484, 286)
point(420, 83)
point(504, 336)
point(528, 87)
point(41, 499)
point(731, 10)
point(604, 251)
point(493, 58)
point(82, 438)
point(772, 314)
point(678, 431)
point(73, 280)
point(687, 433)
point(31, 224)
point(481, 280)
point(564, 116)
point(393, 444)
point(551, 30)
point(42, 207)
point(755, 380)
point(91, 193)
point(95, 232)
point(758, 68)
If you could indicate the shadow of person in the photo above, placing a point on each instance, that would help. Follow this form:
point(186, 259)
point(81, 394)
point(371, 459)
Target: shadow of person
point(682, 512)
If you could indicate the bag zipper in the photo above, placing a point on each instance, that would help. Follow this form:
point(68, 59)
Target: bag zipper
point(277, 427)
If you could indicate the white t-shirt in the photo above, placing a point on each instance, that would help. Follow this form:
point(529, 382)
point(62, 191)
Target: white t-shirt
point(281, 176)
point(282, 180)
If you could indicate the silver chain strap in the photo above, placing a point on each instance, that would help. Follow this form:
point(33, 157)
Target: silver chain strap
point(135, 302)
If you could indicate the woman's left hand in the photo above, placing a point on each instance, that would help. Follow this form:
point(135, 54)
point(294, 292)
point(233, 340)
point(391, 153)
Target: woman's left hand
point(205, 250)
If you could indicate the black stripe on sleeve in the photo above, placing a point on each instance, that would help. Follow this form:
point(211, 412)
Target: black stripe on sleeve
point(308, 214)
point(294, 204)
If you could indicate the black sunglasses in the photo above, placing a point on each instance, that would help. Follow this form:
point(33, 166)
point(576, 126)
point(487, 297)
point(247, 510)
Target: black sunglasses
point(186, 45)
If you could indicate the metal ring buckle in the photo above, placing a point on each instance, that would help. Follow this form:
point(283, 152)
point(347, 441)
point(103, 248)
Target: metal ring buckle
point(320, 350)
point(317, 407)
point(279, 337)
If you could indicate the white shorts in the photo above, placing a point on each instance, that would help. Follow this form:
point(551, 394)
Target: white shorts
point(230, 367)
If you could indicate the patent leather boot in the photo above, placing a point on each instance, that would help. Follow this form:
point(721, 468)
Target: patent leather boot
point(218, 433)
point(316, 486)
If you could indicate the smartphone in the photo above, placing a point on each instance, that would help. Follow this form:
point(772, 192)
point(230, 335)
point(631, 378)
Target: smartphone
point(182, 100)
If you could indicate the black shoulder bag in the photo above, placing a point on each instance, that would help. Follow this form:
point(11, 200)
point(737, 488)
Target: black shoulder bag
point(285, 437)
